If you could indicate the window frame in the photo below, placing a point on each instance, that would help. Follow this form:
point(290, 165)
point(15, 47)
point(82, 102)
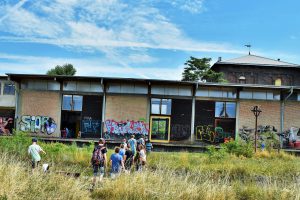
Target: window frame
point(11, 85)
point(72, 103)
point(225, 110)
point(161, 104)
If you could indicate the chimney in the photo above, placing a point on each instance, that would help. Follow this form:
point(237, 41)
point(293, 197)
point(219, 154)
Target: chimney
point(278, 59)
point(219, 59)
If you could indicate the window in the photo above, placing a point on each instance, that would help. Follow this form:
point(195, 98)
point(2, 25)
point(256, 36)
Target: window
point(225, 109)
point(278, 82)
point(161, 106)
point(72, 103)
point(9, 89)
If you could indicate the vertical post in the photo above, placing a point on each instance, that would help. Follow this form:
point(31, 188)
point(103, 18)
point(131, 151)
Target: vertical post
point(281, 122)
point(103, 109)
point(256, 133)
point(237, 115)
point(194, 89)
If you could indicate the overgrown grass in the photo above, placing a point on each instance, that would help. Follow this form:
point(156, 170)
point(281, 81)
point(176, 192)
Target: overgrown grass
point(225, 174)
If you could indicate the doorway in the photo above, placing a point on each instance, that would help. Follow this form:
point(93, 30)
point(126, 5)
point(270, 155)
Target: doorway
point(160, 129)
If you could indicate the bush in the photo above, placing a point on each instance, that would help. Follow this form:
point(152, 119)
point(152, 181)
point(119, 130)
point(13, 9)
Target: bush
point(239, 148)
point(216, 154)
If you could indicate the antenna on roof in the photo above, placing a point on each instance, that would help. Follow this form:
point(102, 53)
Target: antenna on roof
point(249, 47)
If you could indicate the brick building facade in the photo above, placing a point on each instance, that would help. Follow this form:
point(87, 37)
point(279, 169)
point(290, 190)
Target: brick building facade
point(253, 69)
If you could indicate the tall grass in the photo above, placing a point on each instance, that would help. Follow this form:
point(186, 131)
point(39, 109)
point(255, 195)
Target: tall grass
point(219, 175)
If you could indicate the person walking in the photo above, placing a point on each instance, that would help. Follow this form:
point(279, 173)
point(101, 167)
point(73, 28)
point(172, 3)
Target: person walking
point(117, 163)
point(142, 157)
point(133, 144)
point(128, 159)
point(34, 151)
point(99, 161)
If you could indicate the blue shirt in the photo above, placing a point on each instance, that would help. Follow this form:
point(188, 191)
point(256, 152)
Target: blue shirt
point(132, 143)
point(122, 152)
point(116, 163)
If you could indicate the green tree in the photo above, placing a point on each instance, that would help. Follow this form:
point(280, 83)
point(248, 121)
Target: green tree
point(198, 69)
point(66, 69)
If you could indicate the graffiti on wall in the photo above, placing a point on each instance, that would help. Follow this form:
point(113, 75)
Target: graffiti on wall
point(180, 131)
point(207, 133)
point(91, 126)
point(6, 125)
point(126, 127)
point(264, 132)
point(37, 124)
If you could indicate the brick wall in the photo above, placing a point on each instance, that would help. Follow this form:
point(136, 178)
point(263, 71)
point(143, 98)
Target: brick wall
point(270, 113)
point(123, 108)
point(291, 114)
point(40, 103)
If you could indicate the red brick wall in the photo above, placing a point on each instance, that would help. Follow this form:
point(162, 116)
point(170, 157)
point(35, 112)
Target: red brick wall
point(41, 103)
point(125, 108)
point(291, 114)
point(270, 113)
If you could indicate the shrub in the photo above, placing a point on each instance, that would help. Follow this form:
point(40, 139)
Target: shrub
point(239, 148)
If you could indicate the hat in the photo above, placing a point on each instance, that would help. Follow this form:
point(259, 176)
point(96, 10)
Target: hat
point(34, 140)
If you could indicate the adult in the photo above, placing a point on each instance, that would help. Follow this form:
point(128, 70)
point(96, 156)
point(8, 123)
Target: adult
point(128, 158)
point(99, 160)
point(141, 141)
point(34, 151)
point(122, 150)
point(117, 163)
point(133, 144)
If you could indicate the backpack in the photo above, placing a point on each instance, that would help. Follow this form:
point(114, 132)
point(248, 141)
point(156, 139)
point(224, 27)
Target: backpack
point(98, 157)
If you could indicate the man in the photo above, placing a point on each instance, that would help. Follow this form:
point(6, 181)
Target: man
point(128, 159)
point(116, 162)
point(34, 151)
point(133, 144)
point(99, 160)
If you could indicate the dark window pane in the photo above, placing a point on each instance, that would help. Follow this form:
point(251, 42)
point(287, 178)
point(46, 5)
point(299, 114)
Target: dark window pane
point(67, 102)
point(77, 103)
point(9, 89)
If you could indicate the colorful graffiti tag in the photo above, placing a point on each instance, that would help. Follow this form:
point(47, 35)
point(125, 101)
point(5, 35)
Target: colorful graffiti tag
point(37, 124)
point(126, 127)
point(6, 125)
point(208, 133)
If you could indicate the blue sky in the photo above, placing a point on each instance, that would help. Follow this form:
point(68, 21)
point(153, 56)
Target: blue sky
point(142, 39)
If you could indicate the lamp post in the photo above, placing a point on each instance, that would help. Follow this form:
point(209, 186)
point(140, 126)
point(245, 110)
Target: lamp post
point(256, 111)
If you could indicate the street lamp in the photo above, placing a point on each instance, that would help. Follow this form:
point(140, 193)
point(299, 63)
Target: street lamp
point(256, 111)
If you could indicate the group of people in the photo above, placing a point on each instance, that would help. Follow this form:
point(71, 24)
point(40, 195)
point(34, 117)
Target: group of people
point(130, 153)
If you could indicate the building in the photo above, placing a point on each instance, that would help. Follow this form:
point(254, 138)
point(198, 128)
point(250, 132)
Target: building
point(251, 69)
point(172, 112)
point(7, 105)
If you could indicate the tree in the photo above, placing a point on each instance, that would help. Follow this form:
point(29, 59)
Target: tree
point(198, 69)
point(66, 69)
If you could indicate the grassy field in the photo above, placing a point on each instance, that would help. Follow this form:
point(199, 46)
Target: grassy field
point(232, 173)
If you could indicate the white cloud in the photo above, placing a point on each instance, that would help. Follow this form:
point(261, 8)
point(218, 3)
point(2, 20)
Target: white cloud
point(192, 6)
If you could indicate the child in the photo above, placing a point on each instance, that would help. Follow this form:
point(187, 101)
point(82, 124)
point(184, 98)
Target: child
point(34, 151)
point(128, 158)
point(116, 162)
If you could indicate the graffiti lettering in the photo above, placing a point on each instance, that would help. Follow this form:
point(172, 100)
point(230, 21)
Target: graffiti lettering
point(91, 126)
point(126, 127)
point(180, 131)
point(37, 124)
point(6, 125)
point(205, 133)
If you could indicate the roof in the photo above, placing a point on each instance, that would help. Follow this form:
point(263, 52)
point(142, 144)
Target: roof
point(257, 61)
point(61, 78)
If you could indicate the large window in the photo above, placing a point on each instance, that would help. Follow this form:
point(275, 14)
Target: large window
point(72, 103)
point(225, 109)
point(161, 106)
point(9, 89)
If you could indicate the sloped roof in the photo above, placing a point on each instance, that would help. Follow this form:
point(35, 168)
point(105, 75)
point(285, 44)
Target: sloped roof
point(258, 61)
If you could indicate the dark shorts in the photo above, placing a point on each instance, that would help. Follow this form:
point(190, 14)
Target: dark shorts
point(35, 164)
point(98, 170)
